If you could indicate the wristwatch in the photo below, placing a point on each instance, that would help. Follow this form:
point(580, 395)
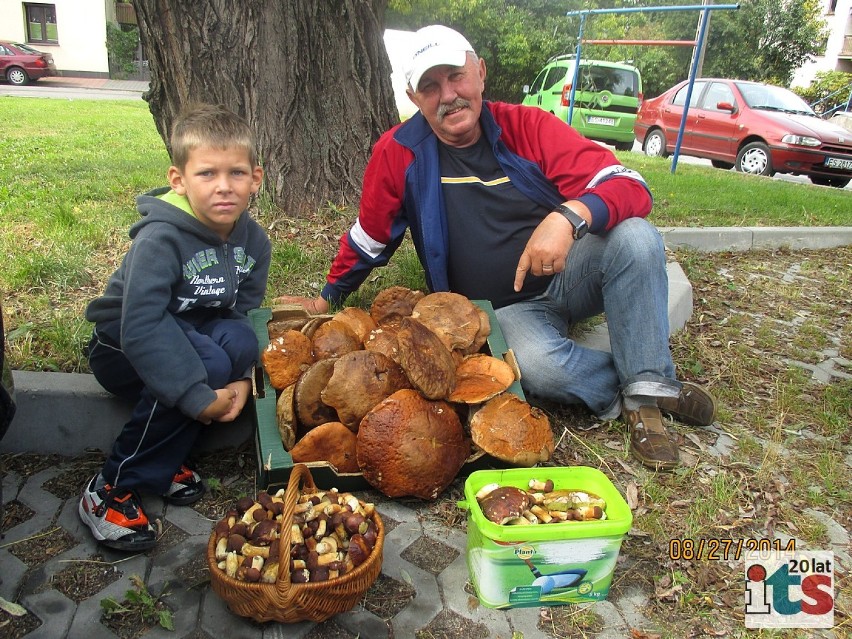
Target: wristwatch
point(579, 224)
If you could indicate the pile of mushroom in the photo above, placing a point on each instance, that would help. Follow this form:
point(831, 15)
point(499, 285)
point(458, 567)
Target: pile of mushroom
point(541, 504)
point(331, 533)
point(402, 394)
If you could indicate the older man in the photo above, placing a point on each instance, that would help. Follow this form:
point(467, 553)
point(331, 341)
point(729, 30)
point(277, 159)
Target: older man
point(510, 204)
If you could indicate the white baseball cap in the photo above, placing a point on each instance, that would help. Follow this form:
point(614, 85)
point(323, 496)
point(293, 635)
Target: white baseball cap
point(433, 46)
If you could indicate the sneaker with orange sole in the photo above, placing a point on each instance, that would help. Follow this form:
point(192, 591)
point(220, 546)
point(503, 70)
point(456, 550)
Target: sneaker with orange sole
point(187, 487)
point(115, 517)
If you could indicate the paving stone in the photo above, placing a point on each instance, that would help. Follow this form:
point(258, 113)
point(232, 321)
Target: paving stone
point(190, 520)
point(452, 581)
point(363, 623)
point(54, 610)
point(13, 572)
point(426, 604)
point(630, 605)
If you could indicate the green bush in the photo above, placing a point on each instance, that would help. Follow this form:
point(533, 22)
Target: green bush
point(837, 84)
point(121, 47)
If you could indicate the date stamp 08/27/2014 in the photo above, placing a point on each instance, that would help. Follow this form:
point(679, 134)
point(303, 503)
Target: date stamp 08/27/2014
point(725, 549)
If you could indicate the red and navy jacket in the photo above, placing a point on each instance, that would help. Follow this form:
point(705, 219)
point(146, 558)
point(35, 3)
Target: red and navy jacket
point(545, 159)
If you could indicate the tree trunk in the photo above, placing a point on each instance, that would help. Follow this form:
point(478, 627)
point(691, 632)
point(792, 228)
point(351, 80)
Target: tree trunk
point(311, 77)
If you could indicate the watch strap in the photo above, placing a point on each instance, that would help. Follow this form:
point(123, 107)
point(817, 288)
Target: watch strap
point(580, 225)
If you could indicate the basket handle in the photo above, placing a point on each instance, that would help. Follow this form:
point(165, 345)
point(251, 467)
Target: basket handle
point(300, 477)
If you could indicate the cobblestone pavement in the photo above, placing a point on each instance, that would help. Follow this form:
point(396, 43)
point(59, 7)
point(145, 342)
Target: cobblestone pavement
point(442, 592)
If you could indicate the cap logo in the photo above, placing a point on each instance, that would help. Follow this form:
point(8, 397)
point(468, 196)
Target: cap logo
point(425, 49)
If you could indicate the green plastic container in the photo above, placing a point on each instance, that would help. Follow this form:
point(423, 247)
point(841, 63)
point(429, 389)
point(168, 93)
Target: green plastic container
point(544, 564)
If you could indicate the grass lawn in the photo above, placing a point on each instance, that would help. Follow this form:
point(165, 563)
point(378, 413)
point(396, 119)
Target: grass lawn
point(72, 169)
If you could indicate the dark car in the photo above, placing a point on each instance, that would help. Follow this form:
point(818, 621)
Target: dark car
point(752, 127)
point(21, 64)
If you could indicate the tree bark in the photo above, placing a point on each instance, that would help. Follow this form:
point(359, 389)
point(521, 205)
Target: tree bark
point(311, 77)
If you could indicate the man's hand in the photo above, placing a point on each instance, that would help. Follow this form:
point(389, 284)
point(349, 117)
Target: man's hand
point(546, 250)
point(315, 306)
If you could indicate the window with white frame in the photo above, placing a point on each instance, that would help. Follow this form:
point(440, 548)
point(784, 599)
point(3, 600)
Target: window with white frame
point(41, 22)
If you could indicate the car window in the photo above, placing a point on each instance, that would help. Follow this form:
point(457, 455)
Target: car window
point(767, 96)
point(716, 93)
point(4, 50)
point(26, 49)
point(539, 80)
point(680, 96)
point(617, 81)
point(556, 77)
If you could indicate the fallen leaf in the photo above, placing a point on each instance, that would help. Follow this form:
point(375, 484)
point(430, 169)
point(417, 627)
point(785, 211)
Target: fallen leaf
point(635, 633)
point(632, 494)
point(13, 609)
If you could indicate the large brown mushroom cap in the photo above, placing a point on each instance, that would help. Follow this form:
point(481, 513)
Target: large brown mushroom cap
point(382, 339)
point(426, 361)
point(452, 317)
point(410, 446)
point(508, 428)
point(361, 379)
point(333, 339)
point(331, 442)
point(394, 303)
point(479, 378)
point(286, 358)
point(310, 409)
point(357, 319)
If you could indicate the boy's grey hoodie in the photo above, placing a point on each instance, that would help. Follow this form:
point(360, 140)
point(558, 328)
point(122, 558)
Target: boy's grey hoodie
point(177, 267)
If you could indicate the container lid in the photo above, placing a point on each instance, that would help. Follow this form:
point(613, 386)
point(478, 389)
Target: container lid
point(583, 478)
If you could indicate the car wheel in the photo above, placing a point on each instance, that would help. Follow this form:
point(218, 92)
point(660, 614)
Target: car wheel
point(17, 76)
point(836, 182)
point(655, 144)
point(754, 158)
point(624, 146)
point(719, 164)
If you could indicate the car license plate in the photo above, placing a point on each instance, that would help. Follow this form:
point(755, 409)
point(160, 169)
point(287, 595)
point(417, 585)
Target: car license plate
point(838, 163)
point(593, 119)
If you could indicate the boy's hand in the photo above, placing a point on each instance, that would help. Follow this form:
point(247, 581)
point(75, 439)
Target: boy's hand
point(242, 388)
point(315, 306)
point(221, 406)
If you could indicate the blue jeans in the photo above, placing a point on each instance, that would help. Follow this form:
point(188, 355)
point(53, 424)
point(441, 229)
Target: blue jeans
point(621, 273)
point(157, 439)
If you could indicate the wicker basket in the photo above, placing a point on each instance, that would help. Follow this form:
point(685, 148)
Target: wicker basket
point(288, 602)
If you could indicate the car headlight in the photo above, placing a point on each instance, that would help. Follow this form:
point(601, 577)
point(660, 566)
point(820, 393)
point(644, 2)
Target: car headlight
point(801, 140)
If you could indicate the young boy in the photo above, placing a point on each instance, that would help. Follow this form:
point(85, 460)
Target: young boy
point(171, 330)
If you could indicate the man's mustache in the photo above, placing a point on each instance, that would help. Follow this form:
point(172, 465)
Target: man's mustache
point(458, 103)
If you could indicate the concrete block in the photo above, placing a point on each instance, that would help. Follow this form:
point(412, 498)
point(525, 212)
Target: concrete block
point(680, 310)
point(68, 413)
point(717, 238)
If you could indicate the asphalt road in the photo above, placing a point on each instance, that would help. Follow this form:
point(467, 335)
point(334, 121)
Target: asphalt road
point(88, 93)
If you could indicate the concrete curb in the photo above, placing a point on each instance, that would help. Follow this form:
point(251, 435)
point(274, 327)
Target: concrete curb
point(723, 238)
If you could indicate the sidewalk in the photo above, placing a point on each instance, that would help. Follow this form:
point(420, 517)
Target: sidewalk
point(94, 83)
point(52, 408)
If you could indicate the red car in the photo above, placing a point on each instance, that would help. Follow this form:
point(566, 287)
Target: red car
point(21, 64)
point(752, 127)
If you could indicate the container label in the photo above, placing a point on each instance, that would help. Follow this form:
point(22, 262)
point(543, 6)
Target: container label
point(541, 573)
